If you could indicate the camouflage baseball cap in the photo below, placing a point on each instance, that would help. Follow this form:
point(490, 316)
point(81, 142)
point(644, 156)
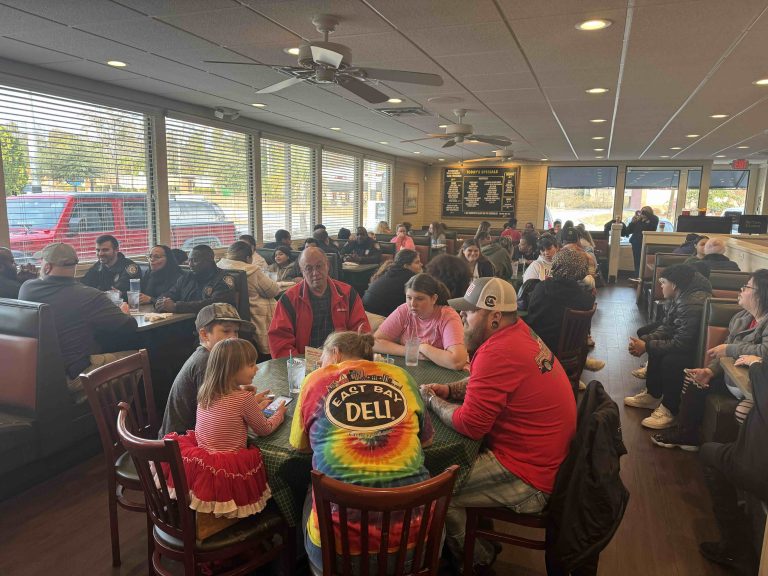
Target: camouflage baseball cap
point(219, 312)
point(58, 254)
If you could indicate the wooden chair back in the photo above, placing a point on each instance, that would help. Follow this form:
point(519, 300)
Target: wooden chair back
point(377, 508)
point(127, 380)
point(572, 348)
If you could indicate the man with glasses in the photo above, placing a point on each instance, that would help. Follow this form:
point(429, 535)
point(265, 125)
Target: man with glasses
point(318, 305)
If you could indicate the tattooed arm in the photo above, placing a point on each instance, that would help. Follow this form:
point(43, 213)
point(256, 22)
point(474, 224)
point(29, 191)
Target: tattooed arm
point(436, 396)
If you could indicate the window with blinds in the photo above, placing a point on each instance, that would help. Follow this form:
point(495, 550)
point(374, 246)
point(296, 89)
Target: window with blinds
point(287, 188)
point(207, 184)
point(377, 189)
point(339, 197)
point(73, 171)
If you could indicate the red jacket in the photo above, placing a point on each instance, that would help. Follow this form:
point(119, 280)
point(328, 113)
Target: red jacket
point(292, 322)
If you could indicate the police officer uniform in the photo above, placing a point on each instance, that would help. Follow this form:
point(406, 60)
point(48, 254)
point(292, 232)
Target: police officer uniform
point(118, 276)
point(193, 292)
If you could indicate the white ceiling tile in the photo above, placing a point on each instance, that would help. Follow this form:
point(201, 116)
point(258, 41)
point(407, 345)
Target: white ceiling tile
point(172, 7)
point(15, 50)
point(421, 14)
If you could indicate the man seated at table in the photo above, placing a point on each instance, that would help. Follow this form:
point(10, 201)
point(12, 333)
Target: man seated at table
point(83, 316)
point(499, 256)
point(714, 258)
point(324, 242)
point(214, 323)
point(113, 270)
point(366, 452)
point(517, 398)
point(282, 238)
point(204, 284)
point(363, 249)
point(11, 279)
point(313, 308)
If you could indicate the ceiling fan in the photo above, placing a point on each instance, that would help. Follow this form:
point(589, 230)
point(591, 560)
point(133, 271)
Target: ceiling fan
point(457, 133)
point(327, 62)
point(506, 154)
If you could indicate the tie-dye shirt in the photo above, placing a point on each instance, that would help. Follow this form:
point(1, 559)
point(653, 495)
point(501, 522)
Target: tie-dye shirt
point(365, 423)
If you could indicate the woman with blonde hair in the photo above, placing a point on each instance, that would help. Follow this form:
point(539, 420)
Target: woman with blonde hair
point(383, 228)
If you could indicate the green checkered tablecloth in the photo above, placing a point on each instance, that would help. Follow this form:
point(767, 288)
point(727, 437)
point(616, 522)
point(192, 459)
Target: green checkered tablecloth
point(288, 471)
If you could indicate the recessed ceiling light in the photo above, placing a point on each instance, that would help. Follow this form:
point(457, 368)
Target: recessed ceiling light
point(383, 142)
point(335, 129)
point(664, 156)
point(395, 100)
point(598, 120)
point(258, 105)
point(599, 157)
point(676, 148)
point(598, 137)
point(720, 156)
point(599, 149)
point(443, 126)
point(291, 51)
point(596, 24)
point(473, 141)
point(597, 91)
point(441, 159)
point(692, 135)
point(719, 116)
point(416, 152)
point(742, 147)
point(761, 82)
point(544, 159)
point(116, 63)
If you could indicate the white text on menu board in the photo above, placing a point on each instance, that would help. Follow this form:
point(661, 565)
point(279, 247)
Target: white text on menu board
point(472, 198)
point(492, 190)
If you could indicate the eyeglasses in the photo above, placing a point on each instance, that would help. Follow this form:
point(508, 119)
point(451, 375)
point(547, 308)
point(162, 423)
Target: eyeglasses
point(745, 287)
point(310, 269)
point(155, 257)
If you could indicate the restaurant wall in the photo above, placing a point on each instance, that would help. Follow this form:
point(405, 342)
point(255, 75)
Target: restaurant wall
point(413, 173)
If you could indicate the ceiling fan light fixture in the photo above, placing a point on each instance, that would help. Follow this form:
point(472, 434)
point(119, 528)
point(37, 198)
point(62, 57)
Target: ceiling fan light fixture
point(473, 141)
point(594, 24)
point(292, 51)
point(597, 90)
point(761, 82)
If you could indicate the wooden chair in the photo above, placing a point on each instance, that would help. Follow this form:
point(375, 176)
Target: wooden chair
point(173, 521)
point(126, 380)
point(572, 347)
point(412, 501)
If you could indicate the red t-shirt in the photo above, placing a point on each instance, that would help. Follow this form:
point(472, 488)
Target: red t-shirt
point(521, 401)
point(513, 234)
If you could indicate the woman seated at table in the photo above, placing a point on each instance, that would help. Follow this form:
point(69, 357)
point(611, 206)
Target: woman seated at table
point(452, 272)
point(261, 290)
point(478, 264)
point(383, 228)
point(747, 336)
point(365, 452)
point(436, 234)
point(387, 289)
point(284, 265)
point(161, 276)
point(541, 268)
point(402, 241)
point(426, 316)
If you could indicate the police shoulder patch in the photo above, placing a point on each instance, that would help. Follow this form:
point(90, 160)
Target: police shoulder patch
point(132, 269)
point(208, 291)
point(229, 281)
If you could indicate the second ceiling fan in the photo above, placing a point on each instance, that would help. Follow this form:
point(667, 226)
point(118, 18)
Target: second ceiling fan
point(459, 132)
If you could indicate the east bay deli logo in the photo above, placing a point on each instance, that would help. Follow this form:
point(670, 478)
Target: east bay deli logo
point(366, 406)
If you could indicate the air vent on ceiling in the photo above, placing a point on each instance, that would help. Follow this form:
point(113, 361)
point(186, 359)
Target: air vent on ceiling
point(403, 111)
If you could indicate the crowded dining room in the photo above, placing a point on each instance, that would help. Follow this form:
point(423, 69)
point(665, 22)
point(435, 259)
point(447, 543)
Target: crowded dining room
point(383, 287)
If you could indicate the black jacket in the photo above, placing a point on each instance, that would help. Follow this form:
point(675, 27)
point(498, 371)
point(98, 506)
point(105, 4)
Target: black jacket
point(635, 229)
point(485, 268)
point(678, 332)
point(9, 287)
point(388, 292)
point(192, 292)
point(365, 252)
point(118, 276)
point(547, 304)
point(156, 284)
point(714, 262)
point(589, 498)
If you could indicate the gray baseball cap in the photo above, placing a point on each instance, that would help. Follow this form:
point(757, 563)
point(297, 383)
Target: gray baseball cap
point(219, 312)
point(488, 293)
point(58, 254)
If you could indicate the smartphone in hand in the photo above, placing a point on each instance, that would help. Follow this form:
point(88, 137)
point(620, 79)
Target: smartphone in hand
point(275, 404)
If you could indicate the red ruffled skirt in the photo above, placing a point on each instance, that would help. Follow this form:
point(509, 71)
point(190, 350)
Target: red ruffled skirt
point(226, 484)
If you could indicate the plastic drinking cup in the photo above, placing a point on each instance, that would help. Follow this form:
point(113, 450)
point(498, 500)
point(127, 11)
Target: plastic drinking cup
point(412, 352)
point(135, 285)
point(296, 371)
point(133, 301)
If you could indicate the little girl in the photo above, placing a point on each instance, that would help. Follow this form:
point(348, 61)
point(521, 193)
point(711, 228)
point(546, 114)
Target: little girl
point(224, 476)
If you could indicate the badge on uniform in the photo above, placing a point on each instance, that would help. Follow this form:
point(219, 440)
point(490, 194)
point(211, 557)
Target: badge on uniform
point(208, 291)
point(229, 281)
point(132, 269)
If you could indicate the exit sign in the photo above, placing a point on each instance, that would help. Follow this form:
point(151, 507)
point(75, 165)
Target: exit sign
point(740, 164)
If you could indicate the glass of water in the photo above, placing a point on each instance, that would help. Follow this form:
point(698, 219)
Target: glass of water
point(412, 352)
point(296, 371)
point(133, 302)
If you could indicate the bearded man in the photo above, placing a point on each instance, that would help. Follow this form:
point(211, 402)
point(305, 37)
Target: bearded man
point(517, 398)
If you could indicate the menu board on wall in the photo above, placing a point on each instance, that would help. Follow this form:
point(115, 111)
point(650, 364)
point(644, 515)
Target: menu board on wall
point(487, 192)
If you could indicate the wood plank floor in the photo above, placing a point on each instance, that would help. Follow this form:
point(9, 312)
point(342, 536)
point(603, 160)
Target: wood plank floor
point(61, 526)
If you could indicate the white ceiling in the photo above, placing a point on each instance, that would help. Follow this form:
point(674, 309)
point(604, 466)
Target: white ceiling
point(520, 66)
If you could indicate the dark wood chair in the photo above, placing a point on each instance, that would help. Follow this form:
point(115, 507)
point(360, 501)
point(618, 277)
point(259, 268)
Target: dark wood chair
point(127, 380)
point(572, 347)
point(173, 521)
point(429, 498)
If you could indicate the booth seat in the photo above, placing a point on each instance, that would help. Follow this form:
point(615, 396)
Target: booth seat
point(727, 283)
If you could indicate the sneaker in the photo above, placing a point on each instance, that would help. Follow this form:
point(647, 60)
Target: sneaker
point(594, 365)
point(590, 342)
point(718, 553)
point(642, 400)
point(660, 419)
point(640, 372)
point(673, 439)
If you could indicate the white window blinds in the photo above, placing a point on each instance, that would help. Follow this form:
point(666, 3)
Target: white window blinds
point(287, 188)
point(73, 171)
point(339, 197)
point(207, 183)
point(377, 189)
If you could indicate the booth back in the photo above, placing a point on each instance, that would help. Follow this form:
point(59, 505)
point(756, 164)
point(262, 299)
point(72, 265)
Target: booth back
point(727, 283)
point(714, 325)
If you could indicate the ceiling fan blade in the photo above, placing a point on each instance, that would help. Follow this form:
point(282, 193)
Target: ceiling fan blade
point(480, 159)
point(494, 140)
point(360, 88)
point(427, 137)
point(324, 56)
point(449, 144)
point(401, 76)
point(279, 86)
point(244, 63)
